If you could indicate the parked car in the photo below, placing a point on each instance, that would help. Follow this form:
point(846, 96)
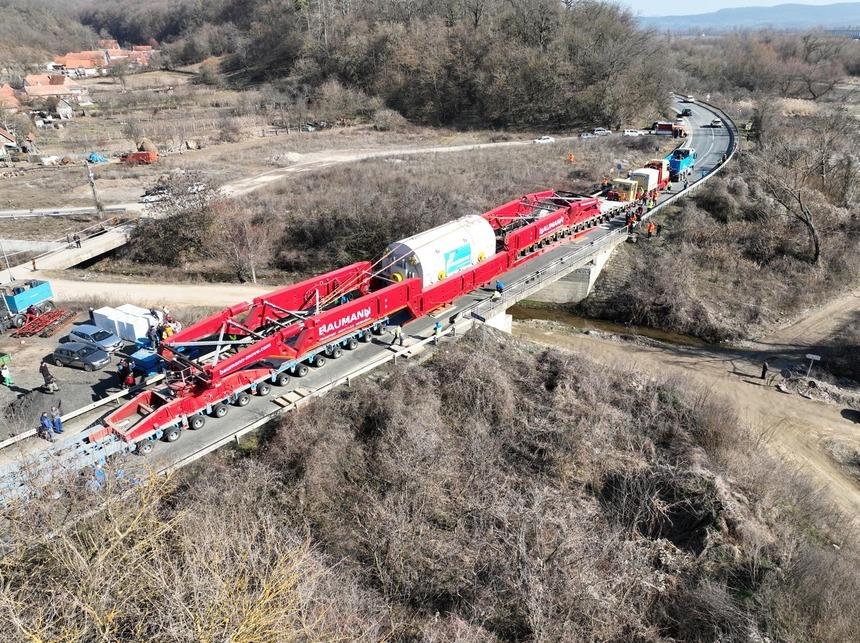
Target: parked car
point(80, 355)
point(600, 131)
point(716, 123)
point(587, 135)
point(95, 337)
point(544, 139)
point(631, 132)
point(153, 197)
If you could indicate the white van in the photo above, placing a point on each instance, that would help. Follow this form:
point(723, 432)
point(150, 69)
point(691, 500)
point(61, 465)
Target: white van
point(631, 132)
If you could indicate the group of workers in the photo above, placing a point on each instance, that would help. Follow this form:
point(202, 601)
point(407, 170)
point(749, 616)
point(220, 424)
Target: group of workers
point(50, 424)
point(164, 328)
point(125, 374)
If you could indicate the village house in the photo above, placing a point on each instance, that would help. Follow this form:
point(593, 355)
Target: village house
point(8, 99)
point(7, 143)
point(79, 64)
point(64, 110)
point(83, 64)
point(46, 86)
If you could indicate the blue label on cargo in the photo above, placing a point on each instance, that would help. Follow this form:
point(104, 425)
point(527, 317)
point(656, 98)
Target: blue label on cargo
point(458, 259)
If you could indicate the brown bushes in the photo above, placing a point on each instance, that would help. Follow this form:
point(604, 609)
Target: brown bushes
point(214, 561)
point(535, 498)
point(494, 494)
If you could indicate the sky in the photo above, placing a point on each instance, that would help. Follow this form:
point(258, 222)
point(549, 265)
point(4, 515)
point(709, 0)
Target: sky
point(663, 8)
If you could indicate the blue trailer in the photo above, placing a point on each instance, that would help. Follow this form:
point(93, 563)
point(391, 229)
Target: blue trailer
point(682, 161)
point(18, 296)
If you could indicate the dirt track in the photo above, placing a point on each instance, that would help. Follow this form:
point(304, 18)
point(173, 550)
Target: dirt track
point(800, 426)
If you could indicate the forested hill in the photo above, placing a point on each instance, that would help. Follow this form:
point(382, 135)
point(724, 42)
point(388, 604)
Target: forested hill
point(482, 62)
point(30, 30)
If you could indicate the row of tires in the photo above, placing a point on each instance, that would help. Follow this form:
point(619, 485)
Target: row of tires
point(262, 389)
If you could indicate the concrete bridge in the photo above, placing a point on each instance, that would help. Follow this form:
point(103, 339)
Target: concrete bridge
point(566, 273)
point(62, 256)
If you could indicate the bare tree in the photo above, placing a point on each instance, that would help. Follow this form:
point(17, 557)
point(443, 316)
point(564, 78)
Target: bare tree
point(245, 239)
point(788, 172)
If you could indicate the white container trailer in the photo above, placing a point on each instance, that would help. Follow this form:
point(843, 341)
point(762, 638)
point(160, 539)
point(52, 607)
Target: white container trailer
point(439, 253)
point(646, 177)
point(147, 314)
point(129, 327)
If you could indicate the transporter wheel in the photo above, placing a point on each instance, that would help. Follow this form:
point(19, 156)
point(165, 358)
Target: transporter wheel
point(318, 360)
point(365, 337)
point(263, 389)
point(243, 399)
point(220, 410)
point(336, 352)
point(351, 343)
point(144, 447)
point(378, 330)
point(196, 422)
point(47, 306)
point(301, 370)
point(282, 378)
point(19, 320)
point(172, 434)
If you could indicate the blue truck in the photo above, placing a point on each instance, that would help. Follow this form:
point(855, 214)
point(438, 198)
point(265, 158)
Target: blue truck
point(18, 296)
point(682, 162)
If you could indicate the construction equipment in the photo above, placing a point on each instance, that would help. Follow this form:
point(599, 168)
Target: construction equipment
point(18, 298)
point(46, 324)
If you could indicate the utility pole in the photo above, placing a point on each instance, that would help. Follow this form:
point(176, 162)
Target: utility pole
point(99, 207)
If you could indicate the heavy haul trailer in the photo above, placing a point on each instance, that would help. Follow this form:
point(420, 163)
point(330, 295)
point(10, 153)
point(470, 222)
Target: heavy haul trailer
point(540, 220)
point(250, 346)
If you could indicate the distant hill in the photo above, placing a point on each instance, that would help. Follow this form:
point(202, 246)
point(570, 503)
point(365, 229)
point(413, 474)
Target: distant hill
point(784, 16)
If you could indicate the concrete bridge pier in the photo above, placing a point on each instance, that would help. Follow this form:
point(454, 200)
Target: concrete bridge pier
point(575, 286)
point(502, 321)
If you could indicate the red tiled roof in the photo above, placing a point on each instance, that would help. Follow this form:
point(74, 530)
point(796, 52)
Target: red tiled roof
point(37, 79)
point(84, 63)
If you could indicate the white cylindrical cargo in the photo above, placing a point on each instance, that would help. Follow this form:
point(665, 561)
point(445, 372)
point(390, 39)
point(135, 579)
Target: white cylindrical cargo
point(439, 253)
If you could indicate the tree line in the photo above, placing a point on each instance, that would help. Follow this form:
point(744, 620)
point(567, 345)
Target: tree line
point(462, 62)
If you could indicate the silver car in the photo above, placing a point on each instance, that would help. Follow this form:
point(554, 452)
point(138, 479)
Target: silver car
point(80, 355)
point(96, 337)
